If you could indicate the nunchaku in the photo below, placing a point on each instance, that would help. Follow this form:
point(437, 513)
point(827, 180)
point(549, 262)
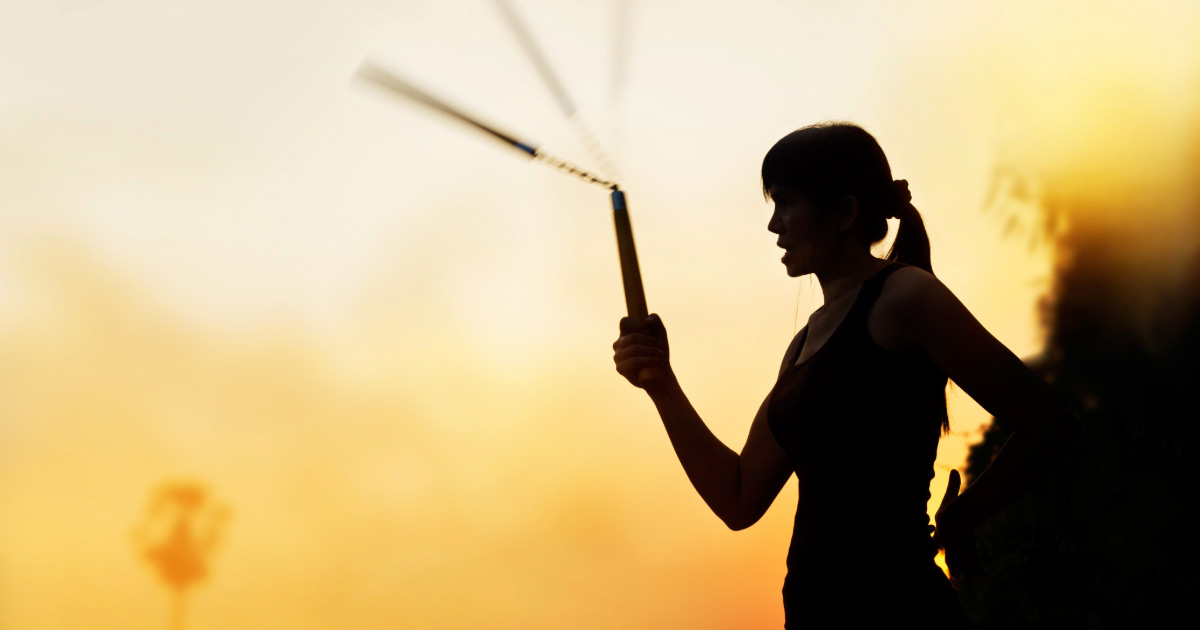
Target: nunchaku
point(635, 297)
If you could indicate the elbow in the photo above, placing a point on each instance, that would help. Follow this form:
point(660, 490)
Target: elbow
point(738, 522)
point(737, 526)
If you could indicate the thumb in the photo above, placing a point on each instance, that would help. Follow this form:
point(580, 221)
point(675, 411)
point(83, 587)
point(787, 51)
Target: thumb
point(628, 325)
point(655, 326)
point(952, 487)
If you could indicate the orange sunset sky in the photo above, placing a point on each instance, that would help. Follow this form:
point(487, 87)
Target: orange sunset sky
point(383, 341)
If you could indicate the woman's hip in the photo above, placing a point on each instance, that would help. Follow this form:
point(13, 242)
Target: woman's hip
point(845, 595)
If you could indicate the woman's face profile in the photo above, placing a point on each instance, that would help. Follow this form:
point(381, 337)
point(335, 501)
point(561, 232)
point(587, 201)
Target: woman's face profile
point(797, 222)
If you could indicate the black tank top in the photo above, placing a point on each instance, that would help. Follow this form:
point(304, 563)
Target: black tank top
point(860, 425)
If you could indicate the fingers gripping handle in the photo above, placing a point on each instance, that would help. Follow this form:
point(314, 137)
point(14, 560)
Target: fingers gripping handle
point(631, 276)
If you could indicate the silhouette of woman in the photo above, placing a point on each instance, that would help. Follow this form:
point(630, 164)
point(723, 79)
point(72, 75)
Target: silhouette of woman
point(870, 370)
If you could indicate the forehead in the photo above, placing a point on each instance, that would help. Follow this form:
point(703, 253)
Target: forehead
point(784, 193)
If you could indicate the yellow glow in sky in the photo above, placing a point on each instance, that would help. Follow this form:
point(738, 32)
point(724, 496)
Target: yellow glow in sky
point(385, 342)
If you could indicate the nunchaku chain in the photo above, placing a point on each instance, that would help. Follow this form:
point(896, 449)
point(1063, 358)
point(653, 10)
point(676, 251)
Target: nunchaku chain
point(571, 169)
point(566, 104)
point(593, 146)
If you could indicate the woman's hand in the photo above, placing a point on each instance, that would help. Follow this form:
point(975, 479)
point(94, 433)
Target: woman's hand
point(953, 535)
point(641, 352)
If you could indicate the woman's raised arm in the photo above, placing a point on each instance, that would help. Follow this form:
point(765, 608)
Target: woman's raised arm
point(738, 488)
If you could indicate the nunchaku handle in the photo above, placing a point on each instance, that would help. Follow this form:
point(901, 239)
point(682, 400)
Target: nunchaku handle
point(631, 276)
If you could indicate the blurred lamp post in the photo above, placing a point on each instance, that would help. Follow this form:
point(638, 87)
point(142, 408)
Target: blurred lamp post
point(177, 535)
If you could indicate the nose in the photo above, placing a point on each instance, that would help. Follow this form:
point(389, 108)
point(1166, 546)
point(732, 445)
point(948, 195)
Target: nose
point(775, 225)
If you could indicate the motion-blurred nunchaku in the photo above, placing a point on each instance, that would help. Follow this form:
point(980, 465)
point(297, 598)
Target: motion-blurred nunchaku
point(631, 277)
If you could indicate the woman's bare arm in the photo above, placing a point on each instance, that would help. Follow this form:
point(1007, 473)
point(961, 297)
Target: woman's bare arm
point(737, 488)
point(765, 466)
point(928, 318)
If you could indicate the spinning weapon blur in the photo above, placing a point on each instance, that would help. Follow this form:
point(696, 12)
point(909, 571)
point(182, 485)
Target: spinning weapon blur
point(635, 298)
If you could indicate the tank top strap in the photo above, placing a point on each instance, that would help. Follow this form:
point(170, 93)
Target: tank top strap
point(867, 295)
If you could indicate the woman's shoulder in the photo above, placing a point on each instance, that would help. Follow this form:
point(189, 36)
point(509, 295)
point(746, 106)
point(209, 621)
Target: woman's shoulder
point(910, 296)
point(910, 286)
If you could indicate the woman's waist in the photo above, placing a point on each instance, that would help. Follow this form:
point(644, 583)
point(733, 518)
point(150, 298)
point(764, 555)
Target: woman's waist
point(826, 540)
point(861, 559)
point(868, 509)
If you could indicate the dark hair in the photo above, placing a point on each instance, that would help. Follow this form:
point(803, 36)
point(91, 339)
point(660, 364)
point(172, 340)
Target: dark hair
point(829, 160)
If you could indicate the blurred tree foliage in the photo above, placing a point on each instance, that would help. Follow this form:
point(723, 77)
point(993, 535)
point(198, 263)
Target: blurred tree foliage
point(1109, 540)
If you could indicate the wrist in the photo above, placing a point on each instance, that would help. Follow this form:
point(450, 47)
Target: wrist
point(664, 387)
point(955, 515)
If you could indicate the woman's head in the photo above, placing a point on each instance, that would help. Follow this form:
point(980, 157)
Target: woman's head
point(838, 180)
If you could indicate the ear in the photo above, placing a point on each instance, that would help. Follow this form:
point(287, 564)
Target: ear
point(847, 212)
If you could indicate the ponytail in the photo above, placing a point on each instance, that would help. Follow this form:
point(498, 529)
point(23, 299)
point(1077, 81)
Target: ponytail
point(912, 241)
point(912, 246)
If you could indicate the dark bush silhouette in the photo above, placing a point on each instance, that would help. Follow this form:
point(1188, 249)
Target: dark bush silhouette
point(1109, 539)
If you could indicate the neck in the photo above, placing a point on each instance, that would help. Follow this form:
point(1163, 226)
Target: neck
point(847, 273)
